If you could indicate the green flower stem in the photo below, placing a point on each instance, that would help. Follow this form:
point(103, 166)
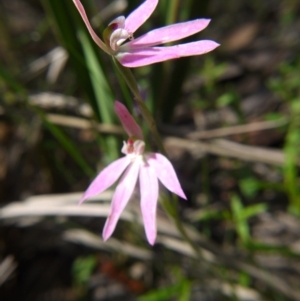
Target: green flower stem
point(172, 211)
point(132, 84)
point(172, 12)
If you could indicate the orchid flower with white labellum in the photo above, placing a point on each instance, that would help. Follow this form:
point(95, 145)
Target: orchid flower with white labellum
point(142, 51)
point(148, 168)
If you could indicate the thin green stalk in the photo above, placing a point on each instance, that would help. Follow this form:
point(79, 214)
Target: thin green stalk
point(104, 97)
point(172, 211)
point(132, 84)
point(172, 11)
point(291, 149)
point(102, 91)
point(126, 93)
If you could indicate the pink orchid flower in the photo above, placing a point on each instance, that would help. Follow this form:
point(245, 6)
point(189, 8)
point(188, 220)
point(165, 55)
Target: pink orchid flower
point(142, 51)
point(148, 167)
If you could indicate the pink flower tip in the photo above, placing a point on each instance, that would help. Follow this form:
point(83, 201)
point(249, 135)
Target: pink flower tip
point(128, 123)
point(151, 240)
point(105, 237)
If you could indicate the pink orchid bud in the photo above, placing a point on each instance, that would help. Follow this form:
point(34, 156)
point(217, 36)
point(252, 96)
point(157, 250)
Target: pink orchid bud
point(128, 123)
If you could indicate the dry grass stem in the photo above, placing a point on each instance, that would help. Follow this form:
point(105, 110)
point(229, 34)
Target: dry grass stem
point(222, 147)
point(238, 129)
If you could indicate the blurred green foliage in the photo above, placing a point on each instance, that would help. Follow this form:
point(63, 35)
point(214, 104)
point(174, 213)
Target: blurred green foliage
point(82, 269)
point(286, 86)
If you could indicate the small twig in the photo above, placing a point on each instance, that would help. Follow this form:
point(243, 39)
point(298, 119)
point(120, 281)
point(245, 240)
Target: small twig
point(231, 149)
point(82, 123)
point(80, 236)
point(238, 129)
point(7, 266)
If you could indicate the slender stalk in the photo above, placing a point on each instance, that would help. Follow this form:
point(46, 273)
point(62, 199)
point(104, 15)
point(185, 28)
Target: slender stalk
point(132, 84)
point(172, 11)
point(172, 211)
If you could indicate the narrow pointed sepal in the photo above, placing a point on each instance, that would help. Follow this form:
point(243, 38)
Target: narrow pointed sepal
point(106, 178)
point(152, 55)
point(140, 15)
point(85, 19)
point(168, 33)
point(149, 197)
point(120, 198)
point(128, 123)
point(166, 173)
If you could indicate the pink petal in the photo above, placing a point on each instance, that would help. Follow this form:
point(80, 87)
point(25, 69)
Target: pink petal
point(169, 33)
point(140, 15)
point(121, 197)
point(106, 178)
point(118, 22)
point(128, 123)
point(147, 56)
point(94, 36)
point(166, 173)
point(149, 196)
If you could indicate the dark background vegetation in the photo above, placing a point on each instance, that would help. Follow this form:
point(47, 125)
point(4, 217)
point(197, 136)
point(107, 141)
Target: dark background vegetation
point(230, 122)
